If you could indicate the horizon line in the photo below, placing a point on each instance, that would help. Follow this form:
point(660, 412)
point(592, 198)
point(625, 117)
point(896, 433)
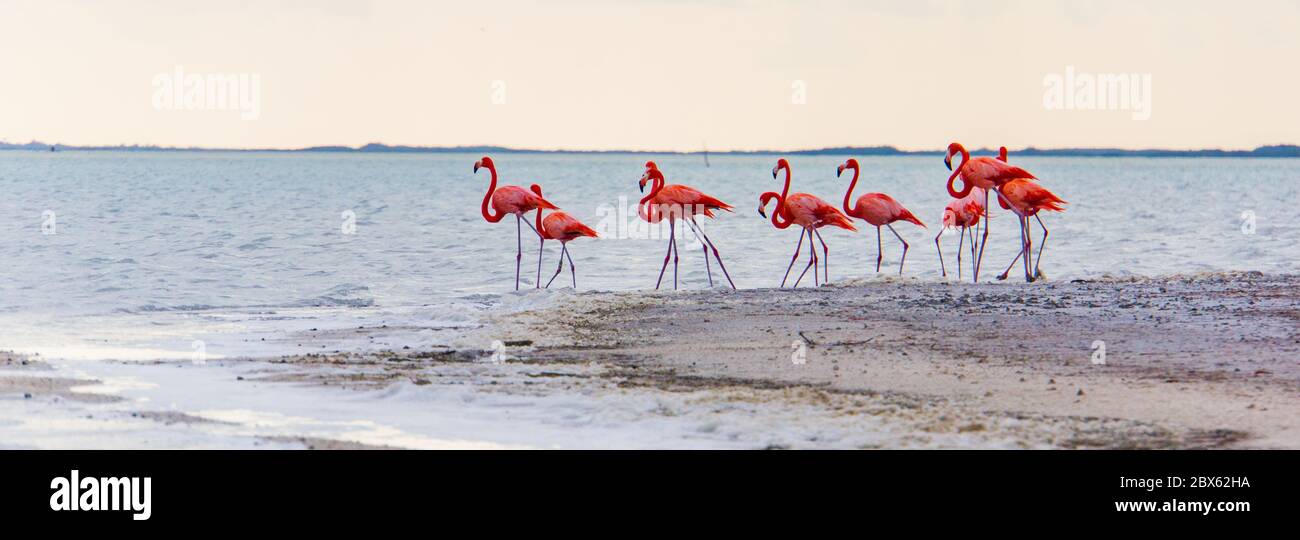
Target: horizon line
point(1271, 150)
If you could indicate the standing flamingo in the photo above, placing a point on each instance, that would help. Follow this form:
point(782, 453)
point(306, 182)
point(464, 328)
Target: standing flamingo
point(1026, 199)
point(807, 211)
point(961, 214)
point(679, 201)
point(510, 200)
point(563, 227)
point(877, 209)
point(982, 172)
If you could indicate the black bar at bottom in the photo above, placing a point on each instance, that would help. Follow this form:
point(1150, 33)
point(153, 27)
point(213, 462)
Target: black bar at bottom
point(324, 488)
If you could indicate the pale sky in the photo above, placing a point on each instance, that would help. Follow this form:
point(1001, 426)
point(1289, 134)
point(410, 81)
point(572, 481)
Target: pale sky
point(651, 74)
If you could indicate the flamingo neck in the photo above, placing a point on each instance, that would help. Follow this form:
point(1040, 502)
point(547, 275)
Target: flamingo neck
point(763, 200)
point(965, 184)
point(780, 218)
point(848, 195)
point(487, 198)
point(643, 205)
point(540, 231)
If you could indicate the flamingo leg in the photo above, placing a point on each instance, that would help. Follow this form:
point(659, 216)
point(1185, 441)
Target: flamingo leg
point(816, 260)
point(985, 239)
point(540, 246)
point(672, 234)
point(880, 250)
point(971, 232)
point(695, 229)
point(812, 260)
point(519, 251)
point(667, 254)
point(797, 249)
point(1028, 250)
point(572, 270)
point(1004, 273)
point(558, 269)
point(1026, 242)
point(1041, 245)
point(530, 226)
point(708, 268)
point(541, 250)
point(715, 254)
point(1019, 254)
point(960, 241)
point(940, 250)
point(905, 246)
point(826, 259)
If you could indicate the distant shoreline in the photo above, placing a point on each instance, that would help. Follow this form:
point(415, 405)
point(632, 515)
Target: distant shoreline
point(1271, 151)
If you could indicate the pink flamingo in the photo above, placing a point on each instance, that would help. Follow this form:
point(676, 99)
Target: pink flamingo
point(565, 228)
point(877, 209)
point(679, 201)
point(980, 172)
point(1027, 199)
point(511, 200)
point(807, 211)
point(962, 214)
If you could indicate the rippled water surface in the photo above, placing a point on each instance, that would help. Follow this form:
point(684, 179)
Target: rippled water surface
point(149, 249)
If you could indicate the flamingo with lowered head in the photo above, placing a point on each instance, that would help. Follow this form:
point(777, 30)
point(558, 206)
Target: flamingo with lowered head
point(879, 210)
point(980, 172)
point(563, 227)
point(807, 211)
point(1027, 199)
point(962, 214)
point(510, 200)
point(679, 201)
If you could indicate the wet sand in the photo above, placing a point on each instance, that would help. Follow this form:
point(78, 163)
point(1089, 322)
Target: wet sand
point(1191, 362)
point(1207, 361)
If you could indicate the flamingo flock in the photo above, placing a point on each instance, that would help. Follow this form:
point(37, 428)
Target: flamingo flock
point(982, 178)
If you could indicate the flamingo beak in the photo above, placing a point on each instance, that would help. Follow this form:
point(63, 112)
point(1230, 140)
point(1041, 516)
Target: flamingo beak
point(947, 161)
point(761, 212)
point(839, 170)
point(774, 169)
point(477, 164)
point(641, 185)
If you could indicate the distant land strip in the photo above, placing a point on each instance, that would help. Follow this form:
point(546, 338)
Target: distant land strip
point(1271, 151)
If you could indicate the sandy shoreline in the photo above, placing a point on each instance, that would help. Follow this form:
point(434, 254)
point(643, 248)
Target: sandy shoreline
point(1209, 361)
point(1195, 362)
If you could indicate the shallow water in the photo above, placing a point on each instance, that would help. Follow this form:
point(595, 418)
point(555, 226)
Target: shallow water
point(144, 254)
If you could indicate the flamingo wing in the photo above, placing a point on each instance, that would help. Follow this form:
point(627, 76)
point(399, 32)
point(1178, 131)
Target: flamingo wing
point(1028, 198)
point(879, 209)
point(517, 200)
point(811, 211)
point(564, 227)
point(986, 170)
point(690, 198)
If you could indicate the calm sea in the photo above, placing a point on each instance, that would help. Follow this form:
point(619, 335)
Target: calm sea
point(162, 254)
